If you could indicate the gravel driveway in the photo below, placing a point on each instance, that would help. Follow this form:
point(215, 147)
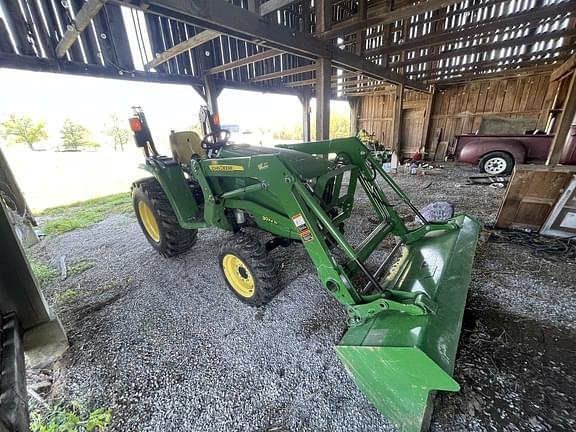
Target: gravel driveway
point(164, 343)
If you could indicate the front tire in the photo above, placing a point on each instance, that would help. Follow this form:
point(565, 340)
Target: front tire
point(158, 220)
point(248, 270)
point(497, 163)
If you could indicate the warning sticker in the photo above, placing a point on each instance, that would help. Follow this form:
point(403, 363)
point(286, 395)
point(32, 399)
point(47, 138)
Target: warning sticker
point(303, 230)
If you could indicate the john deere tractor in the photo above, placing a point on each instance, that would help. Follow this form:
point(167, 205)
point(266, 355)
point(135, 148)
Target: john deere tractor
point(404, 316)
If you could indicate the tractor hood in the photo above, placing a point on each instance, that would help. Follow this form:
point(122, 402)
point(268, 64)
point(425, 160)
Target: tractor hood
point(304, 164)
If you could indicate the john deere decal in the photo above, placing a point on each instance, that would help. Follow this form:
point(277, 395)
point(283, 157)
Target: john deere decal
point(219, 167)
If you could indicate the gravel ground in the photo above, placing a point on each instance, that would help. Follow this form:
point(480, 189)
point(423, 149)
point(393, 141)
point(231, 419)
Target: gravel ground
point(166, 345)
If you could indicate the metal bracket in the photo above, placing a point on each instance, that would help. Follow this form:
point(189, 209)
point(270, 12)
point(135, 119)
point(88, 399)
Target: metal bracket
point(401, 301)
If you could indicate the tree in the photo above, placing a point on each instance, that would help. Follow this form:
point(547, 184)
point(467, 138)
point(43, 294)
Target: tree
point(74, 136)
point(23, 130)
point(120, 135)
point(339, 128)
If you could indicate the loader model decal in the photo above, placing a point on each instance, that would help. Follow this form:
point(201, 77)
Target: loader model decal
point(222, 167)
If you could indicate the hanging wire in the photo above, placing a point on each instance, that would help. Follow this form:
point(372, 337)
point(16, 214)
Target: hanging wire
point(558, 249)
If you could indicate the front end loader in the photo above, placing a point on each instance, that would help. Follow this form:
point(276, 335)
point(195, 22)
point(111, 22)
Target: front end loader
point(404, 316)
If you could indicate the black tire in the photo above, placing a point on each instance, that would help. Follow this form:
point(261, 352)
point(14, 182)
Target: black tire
point(497, 163)
point(259, 267)
point(171, 238)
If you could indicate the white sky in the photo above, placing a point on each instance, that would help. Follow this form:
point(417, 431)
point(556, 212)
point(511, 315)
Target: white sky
point(90, 101)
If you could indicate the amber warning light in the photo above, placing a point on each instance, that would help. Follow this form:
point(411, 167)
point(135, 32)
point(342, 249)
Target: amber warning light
point(135, 124)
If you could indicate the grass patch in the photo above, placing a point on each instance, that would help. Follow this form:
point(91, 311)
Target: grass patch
point(73, 417)
point(43, 272)
point(84, 213)
point(80, 267)
point(68, 296)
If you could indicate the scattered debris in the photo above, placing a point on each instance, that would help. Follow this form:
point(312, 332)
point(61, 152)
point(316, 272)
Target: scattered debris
point(499, 181)
point(63, 268)
point(498, 185)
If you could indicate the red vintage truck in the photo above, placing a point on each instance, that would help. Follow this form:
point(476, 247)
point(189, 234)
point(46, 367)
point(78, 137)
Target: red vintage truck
point(497, 154)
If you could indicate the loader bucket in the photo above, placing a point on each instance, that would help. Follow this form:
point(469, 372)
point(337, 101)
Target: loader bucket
point(399, 360)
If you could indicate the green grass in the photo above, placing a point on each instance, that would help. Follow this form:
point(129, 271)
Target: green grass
point(43, 272)
point(73, 417)
point(84, 213)
point(68, 296)
point(80, 267)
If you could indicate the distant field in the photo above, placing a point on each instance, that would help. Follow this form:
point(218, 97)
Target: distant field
point(50, 179)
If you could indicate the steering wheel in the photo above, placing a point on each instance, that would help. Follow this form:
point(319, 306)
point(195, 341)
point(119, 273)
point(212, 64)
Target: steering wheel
point(215, 139)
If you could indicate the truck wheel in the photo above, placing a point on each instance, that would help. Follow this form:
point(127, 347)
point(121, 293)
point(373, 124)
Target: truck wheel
point(496, 163)
point(158, 220)
point(248, 270)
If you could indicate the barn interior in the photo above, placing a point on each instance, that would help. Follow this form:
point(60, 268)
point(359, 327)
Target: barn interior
point(130, 340)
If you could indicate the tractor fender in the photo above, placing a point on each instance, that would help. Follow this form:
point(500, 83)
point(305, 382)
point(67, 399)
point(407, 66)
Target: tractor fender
point(472, 151)
point(173, 183)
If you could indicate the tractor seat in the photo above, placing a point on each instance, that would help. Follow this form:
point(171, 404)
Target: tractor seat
point(185, 146)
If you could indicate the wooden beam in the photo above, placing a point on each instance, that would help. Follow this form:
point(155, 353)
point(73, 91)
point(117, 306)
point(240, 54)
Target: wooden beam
point(264, 55)
point(273, 5)
point(564, 69)
point(227, 18)
point(323, 94)
point(566, 120)
point(385, 17)
point(287, 72)
point(82, 20)
point(193, 42)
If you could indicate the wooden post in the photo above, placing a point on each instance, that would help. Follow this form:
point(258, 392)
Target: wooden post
point(211, 93)
point(427, 115)
point(305, 99)
point(323, 93)
point(362, 14)
point(355, 104)
point(254, 6)
point(397, 120)
point(323, 15)
point(566, 120)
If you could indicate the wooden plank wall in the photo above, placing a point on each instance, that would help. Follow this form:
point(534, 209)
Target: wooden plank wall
point(531, 195)
point(459, 109)
point(377, 114)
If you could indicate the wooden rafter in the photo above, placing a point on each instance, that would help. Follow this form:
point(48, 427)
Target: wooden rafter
point(195, 41)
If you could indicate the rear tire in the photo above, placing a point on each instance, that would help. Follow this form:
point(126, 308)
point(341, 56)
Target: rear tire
point(248, 270)
point(158, 220)
point(497, 163)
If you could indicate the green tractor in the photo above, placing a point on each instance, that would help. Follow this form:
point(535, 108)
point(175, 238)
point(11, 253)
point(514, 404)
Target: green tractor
point(404, 317)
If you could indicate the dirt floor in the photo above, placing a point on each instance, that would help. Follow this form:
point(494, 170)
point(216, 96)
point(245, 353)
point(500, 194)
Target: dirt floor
point(166, 346)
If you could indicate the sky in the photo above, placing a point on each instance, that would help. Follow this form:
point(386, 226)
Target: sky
point(90, 101)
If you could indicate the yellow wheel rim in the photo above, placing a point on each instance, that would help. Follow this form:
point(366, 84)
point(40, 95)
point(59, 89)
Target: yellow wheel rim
point(238, 275)
point(149, 221)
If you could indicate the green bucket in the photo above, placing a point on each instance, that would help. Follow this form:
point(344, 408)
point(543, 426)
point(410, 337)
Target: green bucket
point(399, 360)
